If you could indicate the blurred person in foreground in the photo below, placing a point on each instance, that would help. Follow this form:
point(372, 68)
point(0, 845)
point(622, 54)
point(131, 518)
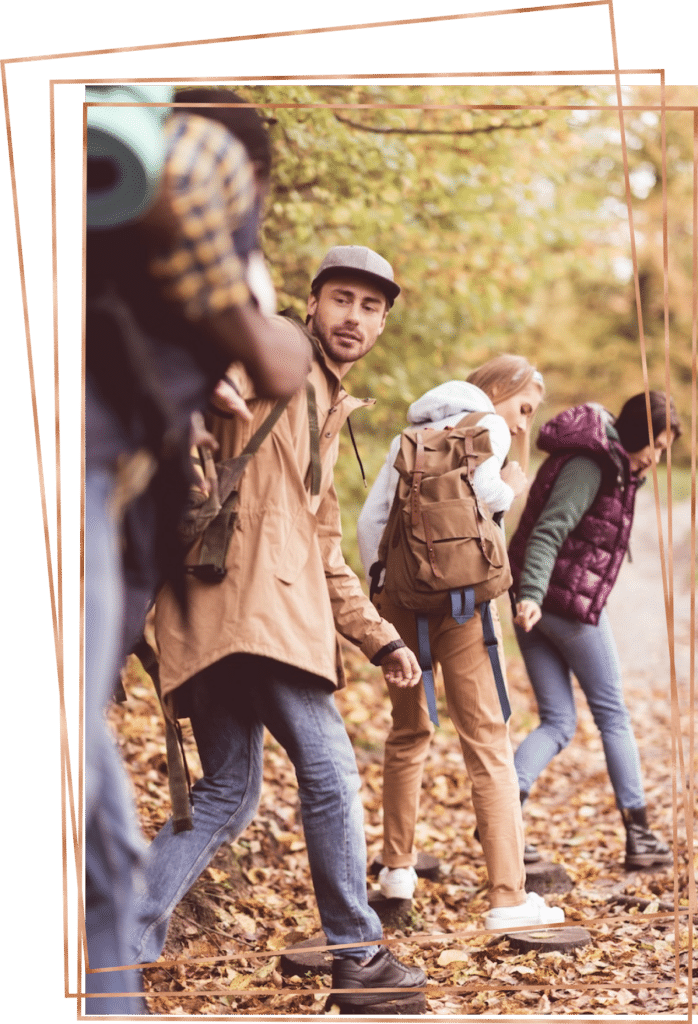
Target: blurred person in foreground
point(259, 647)
point(168, 305)
point(565, 558)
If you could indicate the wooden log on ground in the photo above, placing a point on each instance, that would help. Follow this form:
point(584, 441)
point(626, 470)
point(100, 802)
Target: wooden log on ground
point(545, 878)
point(394, 913)
point(415, 1004)
point(305, 958)
point(427, 866)
point(548, 940)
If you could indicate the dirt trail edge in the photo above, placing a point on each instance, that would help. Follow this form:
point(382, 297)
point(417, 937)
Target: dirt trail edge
point(636, 607)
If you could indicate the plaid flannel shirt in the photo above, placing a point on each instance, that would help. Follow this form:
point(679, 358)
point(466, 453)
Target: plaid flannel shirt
point(211, 182)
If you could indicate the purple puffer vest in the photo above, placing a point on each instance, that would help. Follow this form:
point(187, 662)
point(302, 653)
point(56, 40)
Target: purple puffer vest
point(590, 558)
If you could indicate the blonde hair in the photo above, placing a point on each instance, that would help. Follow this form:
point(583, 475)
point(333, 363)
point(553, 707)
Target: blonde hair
point(504, 376)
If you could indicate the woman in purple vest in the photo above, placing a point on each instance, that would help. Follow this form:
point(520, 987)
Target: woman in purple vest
point(565, 557)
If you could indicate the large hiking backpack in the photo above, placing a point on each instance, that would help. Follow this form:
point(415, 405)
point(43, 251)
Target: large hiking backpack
point(439, 536)
point(441, 549)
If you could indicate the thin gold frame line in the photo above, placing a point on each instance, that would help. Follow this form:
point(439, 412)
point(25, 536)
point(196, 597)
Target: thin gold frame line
point(78, 845)
point(514, 107)
point(83, 960)
point(325, 104)
point(678, 769)
point(366, 77)
point(313, 31)
point(66, 772)
point(404, 106)
point(676, 738)
point(432, 989)
point(693, 907)
point(641, 920)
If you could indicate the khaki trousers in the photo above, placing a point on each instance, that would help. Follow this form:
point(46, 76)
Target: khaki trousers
point(474, 708)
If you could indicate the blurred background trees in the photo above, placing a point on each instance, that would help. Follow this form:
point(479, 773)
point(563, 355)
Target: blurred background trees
point(507, 230)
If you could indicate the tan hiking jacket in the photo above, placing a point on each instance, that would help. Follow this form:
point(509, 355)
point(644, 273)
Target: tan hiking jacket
point(287, 587)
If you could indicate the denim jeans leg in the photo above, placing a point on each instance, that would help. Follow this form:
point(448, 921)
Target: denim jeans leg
point(301, 714)
point(113, 845)
point(591, 653)
point(229, 740)
point(551, 681)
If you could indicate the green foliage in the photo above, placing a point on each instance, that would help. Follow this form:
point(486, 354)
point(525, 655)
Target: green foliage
point(507, 229)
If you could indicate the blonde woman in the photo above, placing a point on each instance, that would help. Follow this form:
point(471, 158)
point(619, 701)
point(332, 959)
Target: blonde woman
point(507, 390)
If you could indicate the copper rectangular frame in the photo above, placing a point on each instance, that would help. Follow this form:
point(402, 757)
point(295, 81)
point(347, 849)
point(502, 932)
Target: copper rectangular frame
point(68, 795)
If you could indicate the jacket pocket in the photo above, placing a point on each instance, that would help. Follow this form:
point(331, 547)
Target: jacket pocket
point(294, 555)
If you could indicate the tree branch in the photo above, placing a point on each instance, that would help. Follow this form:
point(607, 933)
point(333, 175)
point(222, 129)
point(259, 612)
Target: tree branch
point(435, 131)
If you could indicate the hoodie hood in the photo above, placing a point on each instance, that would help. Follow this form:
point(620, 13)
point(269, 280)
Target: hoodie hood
point(454, 398)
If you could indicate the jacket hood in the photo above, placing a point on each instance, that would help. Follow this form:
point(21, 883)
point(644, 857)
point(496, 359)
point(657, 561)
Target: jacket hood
point(585, 428)
point(454, 398)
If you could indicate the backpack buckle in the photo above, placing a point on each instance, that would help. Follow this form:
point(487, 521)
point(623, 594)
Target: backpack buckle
point(207, 573)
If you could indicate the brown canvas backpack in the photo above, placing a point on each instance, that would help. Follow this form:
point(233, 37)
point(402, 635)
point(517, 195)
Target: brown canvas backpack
point(441, 549)
point(439, 537)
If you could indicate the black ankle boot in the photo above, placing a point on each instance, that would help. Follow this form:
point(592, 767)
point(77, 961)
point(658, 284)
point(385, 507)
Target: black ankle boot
point(531, 854)
point(643, 849)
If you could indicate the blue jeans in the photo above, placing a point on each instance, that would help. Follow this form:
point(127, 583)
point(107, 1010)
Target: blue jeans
point(553, 650)
point(229, 706)
point(114, 847)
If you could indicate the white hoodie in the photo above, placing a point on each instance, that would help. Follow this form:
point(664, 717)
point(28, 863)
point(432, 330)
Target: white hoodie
point(443, 406)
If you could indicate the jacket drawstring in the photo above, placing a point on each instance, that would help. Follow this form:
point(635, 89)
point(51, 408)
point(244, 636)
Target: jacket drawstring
point(356, 450)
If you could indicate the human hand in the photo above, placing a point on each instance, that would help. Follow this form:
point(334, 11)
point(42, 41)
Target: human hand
point(205, 443)
point(513, 475)
point(401, 668)
point(227, 399)
point(528, 614)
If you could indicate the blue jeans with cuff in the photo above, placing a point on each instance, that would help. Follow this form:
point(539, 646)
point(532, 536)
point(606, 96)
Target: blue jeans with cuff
point(553, 650)
point(229, 705)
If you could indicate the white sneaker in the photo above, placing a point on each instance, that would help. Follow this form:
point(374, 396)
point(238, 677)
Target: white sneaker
point(397, 883)
point(533, 913)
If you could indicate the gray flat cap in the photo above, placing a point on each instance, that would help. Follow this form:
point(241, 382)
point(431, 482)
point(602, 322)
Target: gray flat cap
point(358, 258)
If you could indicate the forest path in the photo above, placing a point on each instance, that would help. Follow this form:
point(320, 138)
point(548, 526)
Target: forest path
point(636, 606)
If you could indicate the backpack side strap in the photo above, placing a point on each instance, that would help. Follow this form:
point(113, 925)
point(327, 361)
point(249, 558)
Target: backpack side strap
point(177, 769)
point(424, 656)
point(493, 652)
point(462, 609)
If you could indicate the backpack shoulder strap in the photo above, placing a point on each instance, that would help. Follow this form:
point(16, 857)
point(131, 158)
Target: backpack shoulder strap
point(177, 769)
point(216, 537)
point(472, 458)
point(471, 419)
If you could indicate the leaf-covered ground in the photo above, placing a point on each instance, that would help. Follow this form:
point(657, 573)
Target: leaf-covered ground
point(256, 896)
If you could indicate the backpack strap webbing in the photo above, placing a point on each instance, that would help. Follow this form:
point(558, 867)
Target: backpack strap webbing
point(462, 604)
point(493, 652)
point(177, 770)
point(216, 536)
point(314, 474)
point(424, 656)
point(416, 507)
point(462, 609)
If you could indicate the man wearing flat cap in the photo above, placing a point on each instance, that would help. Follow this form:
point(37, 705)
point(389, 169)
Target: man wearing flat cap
point(259, 647)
